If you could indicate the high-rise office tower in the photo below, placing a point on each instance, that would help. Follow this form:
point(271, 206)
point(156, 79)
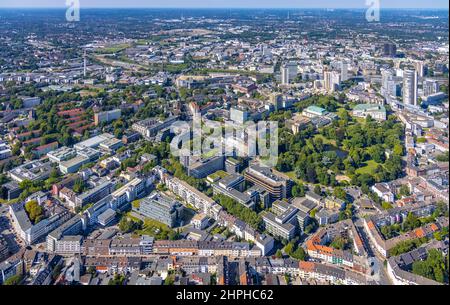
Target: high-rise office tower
point(389, 49)
point(238, 115)
point(292, 69)
point(430, 87)
point(387, 83)
point(344, 71)
point(421, 68)
point(331, 80)
point(266, 51)
point(410, 87)
point(277, 100)
point(285, 75)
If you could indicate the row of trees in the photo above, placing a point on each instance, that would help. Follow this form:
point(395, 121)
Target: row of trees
point(407, 245)
point(175, 167)
point(238, 210)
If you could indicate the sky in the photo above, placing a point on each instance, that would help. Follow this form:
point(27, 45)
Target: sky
point(231, 3)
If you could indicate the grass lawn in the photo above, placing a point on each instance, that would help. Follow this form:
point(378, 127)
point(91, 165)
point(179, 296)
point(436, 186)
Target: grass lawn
point(153, 228)
point(294, 178)
point(219, 174)
point(217, 230)
point(114, 48)
point(325, 140)
point(211, 153)
point(368, 169)
point(91, 93)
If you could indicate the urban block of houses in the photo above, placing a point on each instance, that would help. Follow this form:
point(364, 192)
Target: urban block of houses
point(317, 248)
point(399, 267)
point(32, 232)
point(374, 223)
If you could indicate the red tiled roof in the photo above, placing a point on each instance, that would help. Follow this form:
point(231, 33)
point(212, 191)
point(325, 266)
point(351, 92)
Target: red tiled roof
point(307, 266)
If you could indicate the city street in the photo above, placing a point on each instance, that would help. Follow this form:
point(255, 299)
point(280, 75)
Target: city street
point(7, 231)
point(379, 271)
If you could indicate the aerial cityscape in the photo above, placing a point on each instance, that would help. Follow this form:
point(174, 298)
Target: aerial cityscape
point(224, 146)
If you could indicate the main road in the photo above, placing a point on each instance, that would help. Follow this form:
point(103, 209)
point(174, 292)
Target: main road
point(379, 270)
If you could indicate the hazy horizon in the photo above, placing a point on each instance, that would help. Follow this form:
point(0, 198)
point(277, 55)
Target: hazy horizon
point(191, 4)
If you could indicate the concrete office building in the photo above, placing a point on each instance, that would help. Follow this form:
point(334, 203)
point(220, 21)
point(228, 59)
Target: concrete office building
point(93, 142)
point(282, 221)
point(107, 116)
point(421, 68)
point(332, 80)
point(276, 184)
point(204, 167)
point(5, 150)
point(93, 195)
point(30, 232)
point(69, 245)
point(192, 196)
point(107, 217)
point(34, 170)
point(119, 200)
point(430, 87)
point(129, 192)
point(238, 115)
point(388, 84)
point(73, 226)
point(232, 186)
point(150, 127)
point(232, 165)
point(161, 208)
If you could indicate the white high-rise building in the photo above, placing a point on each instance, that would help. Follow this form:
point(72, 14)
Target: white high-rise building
point(387, 83)
point(420, 68)
point(430, 87)
point(238, 115)
point(266, 51)
point(410, 87)
point(344, 71)
point(285, 79)
point(331, 80)
point(293, 70)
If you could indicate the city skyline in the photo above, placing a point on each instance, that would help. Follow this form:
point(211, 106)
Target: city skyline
point(287, 4)
point(260, 147)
